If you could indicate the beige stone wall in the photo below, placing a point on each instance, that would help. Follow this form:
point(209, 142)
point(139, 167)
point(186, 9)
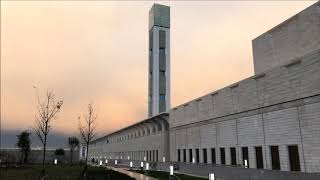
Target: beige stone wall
point(280, 107)
point(293, 38)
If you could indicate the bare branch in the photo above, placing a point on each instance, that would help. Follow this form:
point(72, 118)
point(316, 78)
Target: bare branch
point(47, 111)
point(87, 130)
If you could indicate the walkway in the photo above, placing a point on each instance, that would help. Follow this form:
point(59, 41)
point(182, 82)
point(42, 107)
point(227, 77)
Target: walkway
point(135, 175)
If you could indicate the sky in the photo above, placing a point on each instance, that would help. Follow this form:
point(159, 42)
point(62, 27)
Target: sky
point(97, 52)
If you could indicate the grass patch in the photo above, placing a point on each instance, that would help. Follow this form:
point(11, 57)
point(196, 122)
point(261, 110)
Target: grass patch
point(61, 172)
point(161, 175)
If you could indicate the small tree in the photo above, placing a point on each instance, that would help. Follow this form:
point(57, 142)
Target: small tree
point(73, 142)
point(87, 130)
point(59, 153)
point(47, 111)
point(24, 145)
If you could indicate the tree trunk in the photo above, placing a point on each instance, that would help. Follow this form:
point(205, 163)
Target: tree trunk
point(26, 152)
point(71, 154)
point(44, 155)
point(87, 153)
point(21, 156)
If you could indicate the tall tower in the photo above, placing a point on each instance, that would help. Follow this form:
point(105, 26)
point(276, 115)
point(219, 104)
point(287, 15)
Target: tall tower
point(159, 59)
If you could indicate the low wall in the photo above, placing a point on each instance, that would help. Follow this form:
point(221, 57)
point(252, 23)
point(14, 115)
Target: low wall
point(35, 156)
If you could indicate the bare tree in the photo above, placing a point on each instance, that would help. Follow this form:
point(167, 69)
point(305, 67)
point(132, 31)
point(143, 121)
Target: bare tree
point(47, 112)
point(87, 129)
point(73, 142)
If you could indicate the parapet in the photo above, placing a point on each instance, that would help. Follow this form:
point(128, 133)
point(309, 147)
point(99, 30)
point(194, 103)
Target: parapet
point(159, 15)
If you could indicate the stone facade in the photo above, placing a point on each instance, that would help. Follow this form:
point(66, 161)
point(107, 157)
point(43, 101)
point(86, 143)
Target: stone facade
point(268, 121)
point(148, 139)
point(295, 37)
point(277, 107)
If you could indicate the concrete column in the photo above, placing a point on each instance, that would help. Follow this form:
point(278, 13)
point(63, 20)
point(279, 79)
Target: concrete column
point(268, 158)
point(284, 158)
point(264, 153)
point(201, 155)
point(209, 158)
point(252, 157)
point(228, 157)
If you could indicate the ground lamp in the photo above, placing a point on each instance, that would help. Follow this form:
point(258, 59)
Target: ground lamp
point(171, 172)
point(211, 176)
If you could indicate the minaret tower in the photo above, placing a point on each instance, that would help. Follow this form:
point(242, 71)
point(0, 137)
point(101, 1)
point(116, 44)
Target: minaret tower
point(159, 59)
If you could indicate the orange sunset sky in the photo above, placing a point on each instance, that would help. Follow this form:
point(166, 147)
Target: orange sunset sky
point(97, 52)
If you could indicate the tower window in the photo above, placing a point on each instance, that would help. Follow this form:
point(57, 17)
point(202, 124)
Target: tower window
point(162, 39)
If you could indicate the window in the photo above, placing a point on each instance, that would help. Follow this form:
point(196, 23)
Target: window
point(150, 154)
point(150, 40)
point(162, 59)
point(245, 156)
point(147, 155)
point(184, 155)
point(259, 157)
point(275, 159)
point(157, 155)
point(294, 158)
point(178, 155)
point(233, 155)
point(222, 156)
point(213, 155)
point(204, 152)
point(197, 156)
point(162, 39)
point(190, 155)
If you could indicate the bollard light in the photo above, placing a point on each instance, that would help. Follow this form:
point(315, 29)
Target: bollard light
point(193, 160)
point(211, 176)
point(164, 159)
point(121, 157)
point(130, 164)
point(246, 163)
point(147, 166)
point(55, 161)
point(141, 164)
point(100, 162)
point(106, 161)
point(171, 170)
point(116, 162)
